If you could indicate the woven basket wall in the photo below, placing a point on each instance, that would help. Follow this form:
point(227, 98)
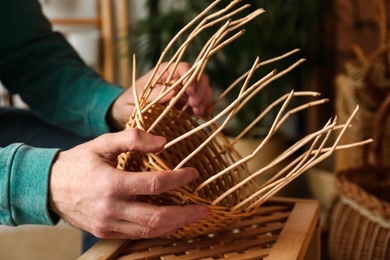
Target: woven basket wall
point(351, 89)
point(359, 219)
point(215, 157)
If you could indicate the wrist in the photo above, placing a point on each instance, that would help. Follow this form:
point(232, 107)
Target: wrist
point(112, 121)
point(53, 185)
point(119, 112)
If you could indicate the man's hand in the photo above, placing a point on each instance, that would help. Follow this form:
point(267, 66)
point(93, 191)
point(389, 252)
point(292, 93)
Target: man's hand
point(199, 95)
point(89, 193)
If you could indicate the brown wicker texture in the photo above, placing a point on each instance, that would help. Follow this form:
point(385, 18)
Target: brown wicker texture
point(213, 158)
point(366, 82)
point(356, 235)
point(225, 184)
point(347, 96)
point(360, 216)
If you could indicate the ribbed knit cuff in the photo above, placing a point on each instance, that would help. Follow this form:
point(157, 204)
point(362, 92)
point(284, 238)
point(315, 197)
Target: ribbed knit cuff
point(29, 186)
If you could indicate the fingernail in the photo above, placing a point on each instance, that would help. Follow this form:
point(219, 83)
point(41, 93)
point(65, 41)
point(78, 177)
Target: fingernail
point(192, 174)
point(159, 141)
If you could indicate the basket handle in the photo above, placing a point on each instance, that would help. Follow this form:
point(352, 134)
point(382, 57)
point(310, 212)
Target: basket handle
point(375, 153)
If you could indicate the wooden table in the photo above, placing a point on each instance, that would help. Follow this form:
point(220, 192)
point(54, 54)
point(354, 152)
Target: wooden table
point(281, 229)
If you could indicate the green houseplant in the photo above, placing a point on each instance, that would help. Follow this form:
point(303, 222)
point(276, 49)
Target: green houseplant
point(286, 25)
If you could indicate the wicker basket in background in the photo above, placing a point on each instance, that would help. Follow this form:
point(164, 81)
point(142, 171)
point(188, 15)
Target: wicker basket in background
point(359, 218)
point(366, 82)
point(349, 92)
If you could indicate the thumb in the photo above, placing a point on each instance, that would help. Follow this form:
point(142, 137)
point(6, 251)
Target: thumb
point(130, 140)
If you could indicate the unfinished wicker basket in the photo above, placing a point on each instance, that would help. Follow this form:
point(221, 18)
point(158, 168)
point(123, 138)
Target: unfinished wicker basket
point(225, 184)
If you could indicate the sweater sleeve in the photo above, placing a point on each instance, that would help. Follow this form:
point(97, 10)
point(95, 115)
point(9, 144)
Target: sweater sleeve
point(46, 71)
point(24, 191)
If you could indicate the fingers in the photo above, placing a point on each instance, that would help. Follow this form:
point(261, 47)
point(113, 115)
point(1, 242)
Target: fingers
point(199, 93)
point(200, 100)
point(142, 220)
point(128, 140)
point(122, 216)
point(141, 183)
point(171, 217)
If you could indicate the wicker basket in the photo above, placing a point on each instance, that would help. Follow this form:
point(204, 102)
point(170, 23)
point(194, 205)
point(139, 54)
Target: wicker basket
point(350, 92)
point(213, 158)
point(366, 82)
point(359, 219)
point(225, 184)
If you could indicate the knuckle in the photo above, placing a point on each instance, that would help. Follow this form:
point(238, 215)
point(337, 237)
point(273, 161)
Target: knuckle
point(101, 234)
point(148, 232)
point(111, 189)
point(101, 230)
point(105, 138)
point(134, 134)
point(157, 220)
point(157, 185)
point(105, 214)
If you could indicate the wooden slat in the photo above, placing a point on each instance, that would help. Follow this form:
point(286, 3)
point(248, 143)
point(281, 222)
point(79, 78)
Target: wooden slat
point(253, 254)
point(297, 233)
point(106, 14)
point(105, 249)
point(76, 21)
point(123, 47)
point(313, 252)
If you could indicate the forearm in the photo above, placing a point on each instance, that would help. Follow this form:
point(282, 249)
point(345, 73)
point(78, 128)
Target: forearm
point(24, 185)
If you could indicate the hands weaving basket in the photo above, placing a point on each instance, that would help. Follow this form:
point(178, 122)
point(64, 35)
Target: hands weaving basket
point(225, 184)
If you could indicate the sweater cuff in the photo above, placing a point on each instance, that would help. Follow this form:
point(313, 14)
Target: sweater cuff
point(97, 112)
point(29, 186)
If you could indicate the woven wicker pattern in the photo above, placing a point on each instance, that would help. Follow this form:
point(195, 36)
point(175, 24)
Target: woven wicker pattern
point(214, 157)
point(363, 126)
point(357, 233)
point(225, 184)
point(368, 186)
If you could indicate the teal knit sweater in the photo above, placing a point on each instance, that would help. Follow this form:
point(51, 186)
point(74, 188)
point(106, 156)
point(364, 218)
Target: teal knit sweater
point(41, 66)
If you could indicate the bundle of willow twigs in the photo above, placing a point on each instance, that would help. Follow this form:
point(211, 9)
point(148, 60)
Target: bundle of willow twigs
point(225, 184)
